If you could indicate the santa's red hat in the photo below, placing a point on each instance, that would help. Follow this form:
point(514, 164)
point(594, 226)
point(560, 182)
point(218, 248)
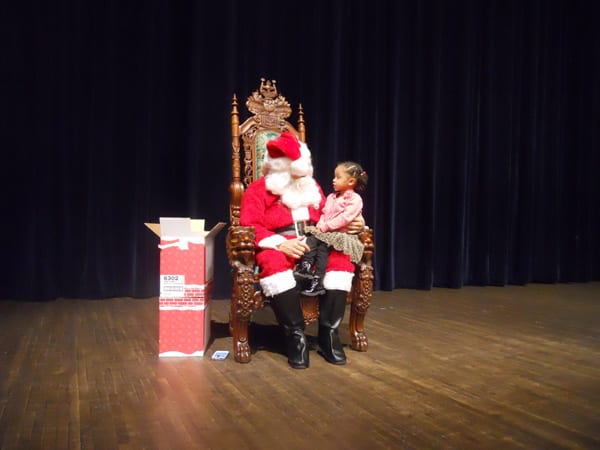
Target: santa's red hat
point(284, 145)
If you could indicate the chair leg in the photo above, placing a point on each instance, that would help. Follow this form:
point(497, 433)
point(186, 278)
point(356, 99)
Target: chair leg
point(238, 326)
point(362, 293)
point(242, 307)
point(358, 337)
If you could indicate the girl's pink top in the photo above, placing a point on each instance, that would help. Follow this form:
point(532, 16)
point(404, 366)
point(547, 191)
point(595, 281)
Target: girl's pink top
point(338, 212)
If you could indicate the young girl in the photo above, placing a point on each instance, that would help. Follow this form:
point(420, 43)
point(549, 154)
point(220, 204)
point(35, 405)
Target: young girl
point(341, 207)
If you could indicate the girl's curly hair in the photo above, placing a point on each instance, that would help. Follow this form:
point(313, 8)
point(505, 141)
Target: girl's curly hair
point(356, 171)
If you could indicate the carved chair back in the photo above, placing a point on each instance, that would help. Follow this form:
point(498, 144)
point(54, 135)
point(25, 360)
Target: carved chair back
point(270, 111)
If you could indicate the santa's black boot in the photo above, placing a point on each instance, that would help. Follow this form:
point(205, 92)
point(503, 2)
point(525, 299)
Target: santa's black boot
point(332, 306)
point(289, 315)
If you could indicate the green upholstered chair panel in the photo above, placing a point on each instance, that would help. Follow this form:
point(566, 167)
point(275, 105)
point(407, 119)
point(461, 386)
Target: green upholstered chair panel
point(262, 138)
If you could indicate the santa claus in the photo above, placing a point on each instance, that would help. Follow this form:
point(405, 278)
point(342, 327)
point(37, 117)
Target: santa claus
point(277, 205)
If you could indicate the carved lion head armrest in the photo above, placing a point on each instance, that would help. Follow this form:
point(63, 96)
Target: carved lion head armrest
point(240, 245)
point(366, 237)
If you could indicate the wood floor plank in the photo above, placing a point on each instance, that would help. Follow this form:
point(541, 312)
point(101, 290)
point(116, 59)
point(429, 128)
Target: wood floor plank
point(514, 367)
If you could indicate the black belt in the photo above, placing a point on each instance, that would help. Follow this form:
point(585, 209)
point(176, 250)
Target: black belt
point(290, 230)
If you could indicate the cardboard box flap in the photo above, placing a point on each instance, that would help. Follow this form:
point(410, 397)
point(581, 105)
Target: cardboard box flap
point(155, 227)
point(183, 227)
point(178, 228)
point(215, 230)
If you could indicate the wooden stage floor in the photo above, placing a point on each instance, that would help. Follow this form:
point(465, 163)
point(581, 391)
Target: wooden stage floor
point(475, 368)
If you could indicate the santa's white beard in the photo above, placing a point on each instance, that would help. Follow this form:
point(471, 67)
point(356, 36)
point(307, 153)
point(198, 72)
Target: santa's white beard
point(294, 192)
point(276, 182)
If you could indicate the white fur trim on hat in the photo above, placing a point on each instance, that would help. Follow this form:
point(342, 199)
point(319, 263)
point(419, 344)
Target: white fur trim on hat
point(338, 280)
point(272, 241)
point(278, 283)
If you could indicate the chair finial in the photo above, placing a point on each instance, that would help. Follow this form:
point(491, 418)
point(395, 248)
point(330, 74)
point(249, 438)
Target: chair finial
point(268, 88)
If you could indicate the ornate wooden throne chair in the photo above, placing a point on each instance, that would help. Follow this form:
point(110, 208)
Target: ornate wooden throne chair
point(270, 111)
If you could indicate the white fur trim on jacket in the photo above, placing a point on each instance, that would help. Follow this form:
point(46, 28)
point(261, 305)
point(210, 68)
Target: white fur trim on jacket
point(338, 280)
point(278, 283)
point(272, 241)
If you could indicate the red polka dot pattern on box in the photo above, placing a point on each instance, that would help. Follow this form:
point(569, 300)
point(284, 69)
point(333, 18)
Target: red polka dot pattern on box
point(182, 331)
point(190, 262)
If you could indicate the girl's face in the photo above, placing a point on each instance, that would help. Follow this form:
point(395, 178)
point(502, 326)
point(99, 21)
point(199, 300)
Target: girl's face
point(342, 181)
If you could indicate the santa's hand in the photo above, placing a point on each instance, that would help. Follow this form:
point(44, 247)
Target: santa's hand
point(357, 225)
point(293, 247)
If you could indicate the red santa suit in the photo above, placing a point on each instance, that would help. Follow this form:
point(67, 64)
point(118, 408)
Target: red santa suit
point(272, 213)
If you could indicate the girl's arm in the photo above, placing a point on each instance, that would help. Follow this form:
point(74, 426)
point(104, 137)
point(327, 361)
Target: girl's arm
point(352, 208)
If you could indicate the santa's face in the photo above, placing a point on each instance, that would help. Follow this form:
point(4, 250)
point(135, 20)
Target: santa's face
point(295, 191)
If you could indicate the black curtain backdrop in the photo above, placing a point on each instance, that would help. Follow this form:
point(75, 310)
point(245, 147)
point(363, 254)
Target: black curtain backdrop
point(477, 121)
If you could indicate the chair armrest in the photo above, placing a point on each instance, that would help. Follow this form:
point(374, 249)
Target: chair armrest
point(240, 245)
point(366, 237)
